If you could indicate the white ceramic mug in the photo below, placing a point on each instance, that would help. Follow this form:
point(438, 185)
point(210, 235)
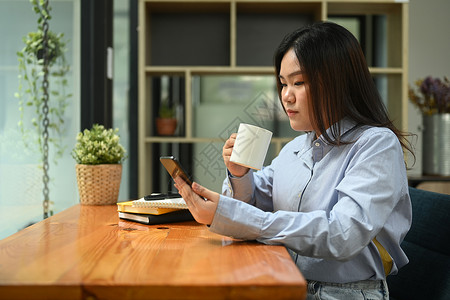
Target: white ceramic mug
point(251, 146)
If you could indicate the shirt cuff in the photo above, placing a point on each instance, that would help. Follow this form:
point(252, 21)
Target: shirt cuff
point(240, 188)
point(237, 219)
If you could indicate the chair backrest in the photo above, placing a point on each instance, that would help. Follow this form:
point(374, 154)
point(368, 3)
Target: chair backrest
point(427, 245)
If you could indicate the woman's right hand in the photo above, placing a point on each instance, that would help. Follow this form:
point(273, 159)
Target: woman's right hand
point(234, 169)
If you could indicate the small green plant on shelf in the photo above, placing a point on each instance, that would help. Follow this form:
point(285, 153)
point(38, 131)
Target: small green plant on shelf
point(166, 123)
point(166, 111)
point(99, 146)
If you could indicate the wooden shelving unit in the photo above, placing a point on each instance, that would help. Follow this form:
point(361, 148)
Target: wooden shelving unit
point(191, 39)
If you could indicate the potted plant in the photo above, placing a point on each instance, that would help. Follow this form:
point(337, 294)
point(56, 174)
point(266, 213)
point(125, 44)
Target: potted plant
point(166, 123)
point(31, 89)
point(99, 157)
point(432, 97)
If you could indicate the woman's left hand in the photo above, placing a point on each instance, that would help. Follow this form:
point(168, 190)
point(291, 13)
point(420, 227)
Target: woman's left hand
point(202, 203)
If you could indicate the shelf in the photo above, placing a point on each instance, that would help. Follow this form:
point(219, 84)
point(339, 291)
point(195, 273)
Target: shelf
point(185, 140)
point(201, 70)
point(373, 7)
point(374, 70)
point(200, 43)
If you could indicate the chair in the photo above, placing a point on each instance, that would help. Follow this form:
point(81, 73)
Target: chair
point(427, 245)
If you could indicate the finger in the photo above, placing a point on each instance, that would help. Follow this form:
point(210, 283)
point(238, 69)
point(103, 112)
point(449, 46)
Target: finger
point(226, 154)
point(195, 203)
point(204, 192)
point(232, 139)
point(230, 142)
point(186, 192)
point(177, 187)
point(180, 185)
point(179, 182)
point(228, 148)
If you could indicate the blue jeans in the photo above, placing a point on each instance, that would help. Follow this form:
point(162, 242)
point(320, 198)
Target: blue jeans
point(363, 290)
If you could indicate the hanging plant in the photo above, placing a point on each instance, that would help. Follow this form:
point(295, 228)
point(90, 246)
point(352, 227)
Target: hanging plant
point(42, 91)
point(31, 91)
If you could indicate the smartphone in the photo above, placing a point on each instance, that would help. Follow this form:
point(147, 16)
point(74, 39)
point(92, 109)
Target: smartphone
point(174, 168)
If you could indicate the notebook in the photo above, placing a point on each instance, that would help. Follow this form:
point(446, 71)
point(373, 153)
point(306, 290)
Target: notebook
point(164, 203)
point(154, 207)
point(181, 215)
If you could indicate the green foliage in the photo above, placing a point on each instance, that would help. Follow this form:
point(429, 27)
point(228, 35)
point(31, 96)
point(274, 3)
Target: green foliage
point(30, 91)
point(98, 146)
point(166, 111)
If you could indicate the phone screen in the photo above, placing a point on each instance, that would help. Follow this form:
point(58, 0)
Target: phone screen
point(174, 168)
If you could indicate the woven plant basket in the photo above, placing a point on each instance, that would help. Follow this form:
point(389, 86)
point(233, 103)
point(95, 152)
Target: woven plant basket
point(98, 184)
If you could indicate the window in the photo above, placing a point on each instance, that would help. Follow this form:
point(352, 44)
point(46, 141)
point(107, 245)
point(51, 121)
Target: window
point(21, 184)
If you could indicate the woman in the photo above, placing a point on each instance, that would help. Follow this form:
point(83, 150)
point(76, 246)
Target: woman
point(337, 196)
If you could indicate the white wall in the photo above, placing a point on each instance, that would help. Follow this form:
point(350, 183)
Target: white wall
point(429, 53)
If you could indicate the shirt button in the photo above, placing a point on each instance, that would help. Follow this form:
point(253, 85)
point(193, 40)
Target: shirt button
point(317, 144)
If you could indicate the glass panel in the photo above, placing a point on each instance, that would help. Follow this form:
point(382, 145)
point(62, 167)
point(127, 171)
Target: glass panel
point(165, 100)
point(381, 82)
point(352, 24)
point(202, 161)
point(21, 172)
point(221, 103)
point(160, 180)
point(209, 168)
point(121, 86)
point(370, 30)
point(258, 35)
point(260, 28)
point(183, 39)
point(390, 89)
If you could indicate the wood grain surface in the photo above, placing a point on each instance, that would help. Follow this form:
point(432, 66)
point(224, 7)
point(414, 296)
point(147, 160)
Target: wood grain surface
point(87, 252)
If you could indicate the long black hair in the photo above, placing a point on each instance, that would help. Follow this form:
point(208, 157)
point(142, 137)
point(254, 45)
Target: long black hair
point(337, 79)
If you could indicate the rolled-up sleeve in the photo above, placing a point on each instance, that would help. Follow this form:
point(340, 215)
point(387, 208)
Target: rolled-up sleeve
point(237, 219)
point(254, 188)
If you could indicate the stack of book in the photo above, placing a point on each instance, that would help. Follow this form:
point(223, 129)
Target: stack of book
point(155, 209)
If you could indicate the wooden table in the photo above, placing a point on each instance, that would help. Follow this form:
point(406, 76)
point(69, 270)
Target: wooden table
point(87, 252)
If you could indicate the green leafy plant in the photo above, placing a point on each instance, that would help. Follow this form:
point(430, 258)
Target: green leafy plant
point(31, 92)
point(98, 146)
point(432, 95)
point(166, 111)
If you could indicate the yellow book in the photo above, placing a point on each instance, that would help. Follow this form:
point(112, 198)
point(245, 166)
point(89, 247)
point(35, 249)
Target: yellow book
point(128, 207)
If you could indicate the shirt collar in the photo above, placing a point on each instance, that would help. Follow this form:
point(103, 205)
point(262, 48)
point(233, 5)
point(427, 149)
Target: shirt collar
point(320, 147)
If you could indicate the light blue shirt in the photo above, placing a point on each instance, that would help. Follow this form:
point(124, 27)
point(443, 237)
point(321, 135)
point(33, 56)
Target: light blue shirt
point(326, 204)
